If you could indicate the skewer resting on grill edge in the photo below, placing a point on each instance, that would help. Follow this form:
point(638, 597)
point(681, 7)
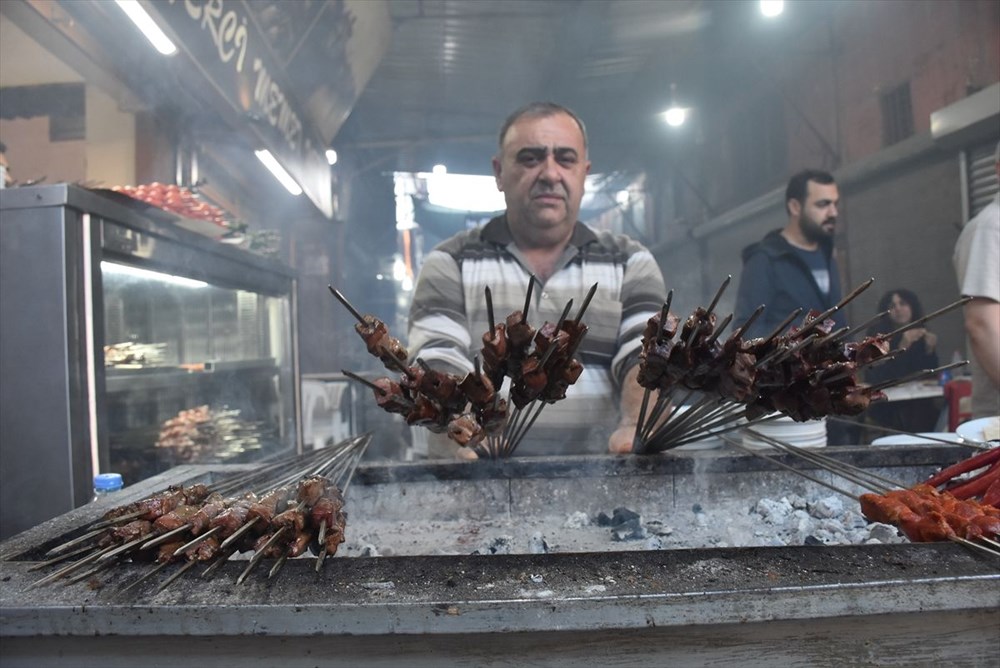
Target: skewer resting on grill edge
point(336, 464)
point(867, 480)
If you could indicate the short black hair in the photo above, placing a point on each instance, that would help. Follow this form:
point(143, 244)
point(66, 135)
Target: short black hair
point(798, 185)
point(540, 110)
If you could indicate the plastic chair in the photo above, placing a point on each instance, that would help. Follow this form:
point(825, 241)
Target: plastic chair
point(958, 411)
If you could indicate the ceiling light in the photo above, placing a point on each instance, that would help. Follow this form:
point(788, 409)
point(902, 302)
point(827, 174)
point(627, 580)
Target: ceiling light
point(147, 25)
point(331, 156)
point(675, 116)
point(439, 169)
point(137, 272)
point(622, 197)
point(772, 8)
point(284, 178)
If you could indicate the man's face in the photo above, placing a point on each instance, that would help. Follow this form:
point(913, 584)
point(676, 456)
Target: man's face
point(818, 213)
point(541, 171)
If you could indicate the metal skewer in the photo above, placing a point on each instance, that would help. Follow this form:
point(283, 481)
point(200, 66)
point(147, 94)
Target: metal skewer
point(489, 310)
point(76, 541)
point(718, 294)
point(586, 303)
point(527, 298)
point(350, 307)
point(183, 548)
point(183, 569)
point(260, 555)
point(919, 321)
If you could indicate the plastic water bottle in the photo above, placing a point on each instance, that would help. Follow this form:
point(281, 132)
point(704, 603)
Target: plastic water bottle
point(106, 483)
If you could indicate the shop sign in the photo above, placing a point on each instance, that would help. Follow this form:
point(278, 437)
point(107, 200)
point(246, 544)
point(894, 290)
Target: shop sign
point(225, 43)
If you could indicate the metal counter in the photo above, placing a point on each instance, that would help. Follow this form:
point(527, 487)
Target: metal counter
point(819, 605)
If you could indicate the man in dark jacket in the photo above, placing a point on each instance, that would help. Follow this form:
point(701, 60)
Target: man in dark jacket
point(794, 267)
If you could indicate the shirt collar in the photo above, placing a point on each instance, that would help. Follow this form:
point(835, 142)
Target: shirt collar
point(498, 231)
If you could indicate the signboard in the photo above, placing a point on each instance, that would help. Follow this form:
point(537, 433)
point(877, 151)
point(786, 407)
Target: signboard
point(225, 43)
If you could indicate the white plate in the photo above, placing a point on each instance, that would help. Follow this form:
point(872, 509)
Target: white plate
point(973, 430)
point(918, 439)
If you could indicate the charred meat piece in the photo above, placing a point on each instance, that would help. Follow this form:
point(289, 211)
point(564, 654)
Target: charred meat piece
point(233, 517)
point(214, 505)
point(465, 430)
point(478, 388)
point(266, 508)
point(312, 489)
point(175, 519)
point(519, 334)
point(293, 518)
point(126, 533)
point(392, 398)
point(204, 550)
point(379, 343)
point(165, 553)
point(493, 418)
point(442, 388)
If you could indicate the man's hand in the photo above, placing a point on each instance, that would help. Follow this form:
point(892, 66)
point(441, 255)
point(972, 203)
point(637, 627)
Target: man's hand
point(620, 442)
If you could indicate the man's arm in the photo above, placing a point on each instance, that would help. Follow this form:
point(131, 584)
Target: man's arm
point(754, 290)
point(982, 323)
point(642, 296)
point(438, 331)
point(621, 439)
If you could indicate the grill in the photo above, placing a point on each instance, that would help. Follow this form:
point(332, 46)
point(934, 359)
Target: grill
point(816, 604)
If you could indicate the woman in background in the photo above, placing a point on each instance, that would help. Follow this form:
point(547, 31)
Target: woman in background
point(919, 353)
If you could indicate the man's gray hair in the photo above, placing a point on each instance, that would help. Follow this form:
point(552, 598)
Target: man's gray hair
point(540, 110)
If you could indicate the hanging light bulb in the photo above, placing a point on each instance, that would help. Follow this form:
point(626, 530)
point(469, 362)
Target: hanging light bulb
point(675, 115)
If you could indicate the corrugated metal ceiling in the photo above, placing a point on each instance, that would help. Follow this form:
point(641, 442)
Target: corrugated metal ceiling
point(455, 68)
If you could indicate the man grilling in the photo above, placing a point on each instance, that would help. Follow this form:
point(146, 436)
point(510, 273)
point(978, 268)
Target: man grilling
point(541, 167)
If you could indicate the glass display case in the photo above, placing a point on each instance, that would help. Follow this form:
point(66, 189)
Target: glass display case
point(132, 344)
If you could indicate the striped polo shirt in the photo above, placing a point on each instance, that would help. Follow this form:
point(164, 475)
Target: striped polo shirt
point(448, 318)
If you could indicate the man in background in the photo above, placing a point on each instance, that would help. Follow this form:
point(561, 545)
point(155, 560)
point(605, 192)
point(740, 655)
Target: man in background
point(977, 263)
point(794, 267)
point(541, 167)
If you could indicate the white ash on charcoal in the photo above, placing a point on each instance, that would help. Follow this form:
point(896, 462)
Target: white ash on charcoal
point(784, 521)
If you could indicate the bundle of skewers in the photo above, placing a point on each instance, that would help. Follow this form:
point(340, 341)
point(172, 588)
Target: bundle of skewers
point(293, 507)
point(960, 503)
point(538, 363)
point(809, 372)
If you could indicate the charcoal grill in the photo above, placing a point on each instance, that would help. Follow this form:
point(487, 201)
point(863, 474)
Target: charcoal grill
point(818, 605)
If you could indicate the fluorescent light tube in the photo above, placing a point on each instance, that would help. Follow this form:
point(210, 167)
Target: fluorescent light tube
point(284, 178)
point(137, 272)
point(147, 25)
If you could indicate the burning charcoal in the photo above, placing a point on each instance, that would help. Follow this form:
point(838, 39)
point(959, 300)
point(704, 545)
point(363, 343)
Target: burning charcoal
point(622, 515)
point(884, 533)
point(658, 528)
point(578, 520)
point(630, 530)
point(537, 544)
point(831, 506)
point(499, 545)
